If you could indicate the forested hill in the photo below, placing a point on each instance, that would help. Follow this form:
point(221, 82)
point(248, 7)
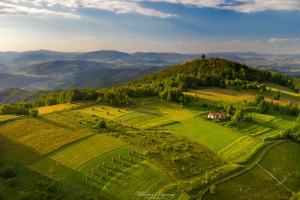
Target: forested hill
point(167, 84)
point(212, 72)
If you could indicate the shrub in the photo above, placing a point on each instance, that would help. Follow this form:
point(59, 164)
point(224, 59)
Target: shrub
point(175, 159)
point(101, 124)
point(11, 182)
point(34, 113)
point(7, 172)
point(277, 95)
point(213, 189)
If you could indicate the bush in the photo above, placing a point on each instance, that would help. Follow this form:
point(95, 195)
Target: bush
point(7, 172)
point(213, 189)
point(34, 113)
point(12, 182)
point(277, 95)
point(101, 124)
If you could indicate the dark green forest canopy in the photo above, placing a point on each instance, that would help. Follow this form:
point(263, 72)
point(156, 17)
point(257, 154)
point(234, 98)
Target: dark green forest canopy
point(168, 84)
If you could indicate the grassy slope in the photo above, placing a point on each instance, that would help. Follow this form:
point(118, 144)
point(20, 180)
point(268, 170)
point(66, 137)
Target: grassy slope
point(6, 117)
point(28, 139)
point(59, 107)
point(152, 115)
point(207, 133)
point(232, 96)
point(29, 181)
point(241, 150)
point(252, 185)
point(262, 118)
point(283, 162)
point(75, 155)
point(143, 177)
point(99, 112)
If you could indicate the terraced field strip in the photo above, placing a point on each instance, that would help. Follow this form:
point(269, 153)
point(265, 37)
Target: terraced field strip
point(29, 139)
point(279, 123)
point(204, 132)
point(262, 118)
point(241, 150)
point(104, 111)
point(153, 115)
point(58, 107)
point(75, 155)
point(138, 179)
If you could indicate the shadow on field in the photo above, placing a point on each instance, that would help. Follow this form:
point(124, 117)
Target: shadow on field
point(36, 161)
point(54, 123)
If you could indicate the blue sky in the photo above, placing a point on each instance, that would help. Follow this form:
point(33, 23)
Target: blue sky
point(184, 26)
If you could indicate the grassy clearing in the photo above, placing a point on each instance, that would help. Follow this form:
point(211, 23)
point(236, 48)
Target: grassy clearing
point(140, 178)
point(279, 123)
point(283, 162)
point(76, 177)
point(261, 118)
point(241, 150)
point(258, 131)
point(33, 185)
point(207, 133)
point(58, 107)
point(6, 117)
point(75, 155)
point(28, 139)
point(254, 184)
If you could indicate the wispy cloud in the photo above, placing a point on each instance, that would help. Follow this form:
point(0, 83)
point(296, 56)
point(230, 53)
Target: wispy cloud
point(10, 9)
point(119, 7)
point(246, 6)
point(283, 39)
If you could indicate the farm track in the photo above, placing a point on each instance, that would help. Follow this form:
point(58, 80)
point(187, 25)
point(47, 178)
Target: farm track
point(248, 167)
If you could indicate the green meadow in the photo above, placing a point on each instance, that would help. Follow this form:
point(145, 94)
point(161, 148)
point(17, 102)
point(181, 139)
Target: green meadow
point(204, 132)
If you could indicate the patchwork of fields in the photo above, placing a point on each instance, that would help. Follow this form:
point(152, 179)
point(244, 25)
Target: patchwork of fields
point(69, 137)
point(29, 139)
point(75, 155)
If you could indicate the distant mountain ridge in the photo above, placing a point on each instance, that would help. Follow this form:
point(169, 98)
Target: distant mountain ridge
point(64, 67)
point(19, 95)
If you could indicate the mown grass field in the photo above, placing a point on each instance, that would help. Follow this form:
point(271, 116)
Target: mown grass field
point(283, 162)
point(279, 123)
point(76, 177)
point(152, 115)
point(241, 150)
point(140, 178)
point(99, 112)
point(204, 132)
point(75, 155)
point(58, 107)
point(267, 134)
point(28, 139)
point(252, 185)
point(222, 96)
point(261, 118)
